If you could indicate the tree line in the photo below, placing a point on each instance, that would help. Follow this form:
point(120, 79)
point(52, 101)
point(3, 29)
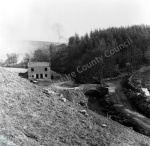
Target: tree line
point(39, 55)
point(81, 50)
point(13, 58)
point(82, 53)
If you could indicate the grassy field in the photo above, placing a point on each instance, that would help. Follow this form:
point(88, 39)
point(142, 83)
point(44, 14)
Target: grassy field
point(16, 70)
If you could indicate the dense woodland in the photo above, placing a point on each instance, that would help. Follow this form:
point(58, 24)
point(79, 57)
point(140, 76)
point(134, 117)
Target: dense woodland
point(82, 50)
point(79, 56)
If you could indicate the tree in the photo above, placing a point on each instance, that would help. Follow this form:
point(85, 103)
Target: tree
point(12, 59)
point(25, 60)
point(1, 62)
point(39, 56)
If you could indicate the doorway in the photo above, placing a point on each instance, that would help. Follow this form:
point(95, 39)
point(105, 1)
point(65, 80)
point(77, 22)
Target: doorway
point(37, 76)
point(41, 76)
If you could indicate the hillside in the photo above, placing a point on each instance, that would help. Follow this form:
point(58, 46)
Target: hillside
point(22, 47)
point(29, 45)
point(103, 53)
point(30, 117)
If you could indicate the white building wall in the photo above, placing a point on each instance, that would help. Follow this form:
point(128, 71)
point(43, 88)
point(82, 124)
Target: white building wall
point(40, 72)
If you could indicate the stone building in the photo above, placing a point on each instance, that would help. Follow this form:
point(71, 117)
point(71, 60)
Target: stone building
point(39, 70)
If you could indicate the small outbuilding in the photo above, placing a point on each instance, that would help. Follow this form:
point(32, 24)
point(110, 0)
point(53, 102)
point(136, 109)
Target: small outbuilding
point(55, 75)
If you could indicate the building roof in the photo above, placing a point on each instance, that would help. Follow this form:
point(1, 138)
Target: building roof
point(38, 64)
point(55, 73)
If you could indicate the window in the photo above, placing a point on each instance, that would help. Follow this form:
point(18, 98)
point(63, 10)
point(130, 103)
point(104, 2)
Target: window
point(32, 69)
point(45, 75)
point(52, 77)
point(45, 69)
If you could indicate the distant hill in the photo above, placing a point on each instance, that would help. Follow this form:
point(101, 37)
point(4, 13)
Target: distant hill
point(30, 45)
point(22, 47)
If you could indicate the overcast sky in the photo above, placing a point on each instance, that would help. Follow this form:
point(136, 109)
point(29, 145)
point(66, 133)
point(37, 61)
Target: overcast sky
point(57, 20)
